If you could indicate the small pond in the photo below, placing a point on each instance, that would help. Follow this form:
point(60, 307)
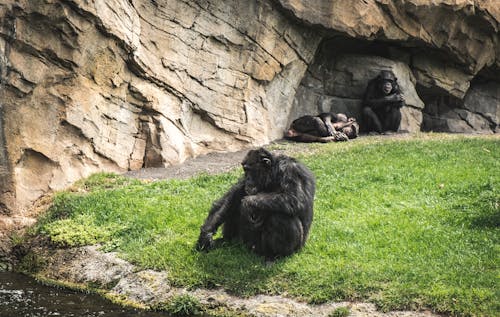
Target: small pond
point(22, 296)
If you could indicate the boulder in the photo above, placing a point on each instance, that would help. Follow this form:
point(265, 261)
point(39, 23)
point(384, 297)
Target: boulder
point(431, 72)
point(478, 112)
point(483, 100)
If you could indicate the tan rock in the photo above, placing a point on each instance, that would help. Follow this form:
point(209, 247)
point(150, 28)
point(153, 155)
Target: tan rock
point(90, 86)
point(470, 36)
point(433, 73)
point(118, 85)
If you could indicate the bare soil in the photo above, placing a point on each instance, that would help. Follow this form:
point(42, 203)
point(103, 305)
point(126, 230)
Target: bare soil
point(217, 162)
point(212, 163)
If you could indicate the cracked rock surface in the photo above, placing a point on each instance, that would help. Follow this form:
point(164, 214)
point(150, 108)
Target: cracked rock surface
point(119, 85)
point(92, 86)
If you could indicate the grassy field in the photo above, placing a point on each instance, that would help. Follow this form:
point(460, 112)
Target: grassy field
point(405, 224)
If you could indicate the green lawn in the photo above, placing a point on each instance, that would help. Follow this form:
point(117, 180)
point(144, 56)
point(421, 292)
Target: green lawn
point(405, 224)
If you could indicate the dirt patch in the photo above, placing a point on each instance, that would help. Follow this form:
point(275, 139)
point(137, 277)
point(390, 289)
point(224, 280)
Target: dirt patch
point(215, 163)
point(212, 163)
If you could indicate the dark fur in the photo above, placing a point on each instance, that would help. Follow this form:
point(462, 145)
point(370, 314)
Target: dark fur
point(325, 127)
point(381, 111)
point(270, 209)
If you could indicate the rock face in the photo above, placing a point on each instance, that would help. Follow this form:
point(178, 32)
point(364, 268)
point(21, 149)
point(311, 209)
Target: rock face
point(469, 34)
point(478, 112)
point(442, 59)
point(117, 85)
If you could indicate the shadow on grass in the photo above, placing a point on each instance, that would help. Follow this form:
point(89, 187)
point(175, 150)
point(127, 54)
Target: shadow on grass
point(490, 220)
point(237, 269)
point(476, 206)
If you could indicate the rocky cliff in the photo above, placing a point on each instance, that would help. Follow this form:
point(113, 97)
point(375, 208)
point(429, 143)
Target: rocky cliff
point(117, 85)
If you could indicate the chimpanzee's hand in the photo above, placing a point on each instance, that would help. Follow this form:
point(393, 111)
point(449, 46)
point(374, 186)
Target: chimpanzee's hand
point(340, 137)
point(253, 216)
point(205, 242)
point(248, 202)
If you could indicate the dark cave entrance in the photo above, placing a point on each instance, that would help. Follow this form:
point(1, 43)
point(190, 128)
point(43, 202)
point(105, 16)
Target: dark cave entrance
point(477, 112)
point(337, 77)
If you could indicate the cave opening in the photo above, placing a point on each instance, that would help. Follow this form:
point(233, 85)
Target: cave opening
point(336, 79)
point(476, 112)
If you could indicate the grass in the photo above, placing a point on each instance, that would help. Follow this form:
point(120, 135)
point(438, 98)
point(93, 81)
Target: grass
point(406, 224)
point(182, 305)
point(340, 312)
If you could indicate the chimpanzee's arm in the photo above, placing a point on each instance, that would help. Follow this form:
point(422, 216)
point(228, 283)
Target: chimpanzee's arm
point(374, 98)
point(294, 195)
point(307, 138)
point(218, 215)
point(392, 98)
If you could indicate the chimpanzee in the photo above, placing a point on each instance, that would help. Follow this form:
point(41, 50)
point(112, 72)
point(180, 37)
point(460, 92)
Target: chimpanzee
point(382, 103)
point(325, 127)
point(270, 209)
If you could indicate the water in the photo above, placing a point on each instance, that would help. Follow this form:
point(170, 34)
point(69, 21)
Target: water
point(22, 296)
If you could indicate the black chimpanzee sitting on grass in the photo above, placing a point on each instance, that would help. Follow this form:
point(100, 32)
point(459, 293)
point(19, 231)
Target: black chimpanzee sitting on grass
point(382, 103)
point(269, 210)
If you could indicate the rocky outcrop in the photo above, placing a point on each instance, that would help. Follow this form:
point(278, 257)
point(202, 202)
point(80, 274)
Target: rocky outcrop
point(478, 112)
point(483, 100)
point(118, 85)
point(443, 58)
point(463, 30)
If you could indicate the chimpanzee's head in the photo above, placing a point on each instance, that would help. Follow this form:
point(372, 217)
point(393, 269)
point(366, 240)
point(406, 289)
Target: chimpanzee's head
point(387, 81)
point(258, 166)
point(352, 130)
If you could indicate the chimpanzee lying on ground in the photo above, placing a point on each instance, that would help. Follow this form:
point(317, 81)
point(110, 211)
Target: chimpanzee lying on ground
point(382, 103)
point(325, 127)
point(270, 209)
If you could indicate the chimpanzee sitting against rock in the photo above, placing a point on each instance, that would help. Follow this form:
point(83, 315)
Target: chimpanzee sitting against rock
point(269, 210)
point(382, 103)
point(325, 127)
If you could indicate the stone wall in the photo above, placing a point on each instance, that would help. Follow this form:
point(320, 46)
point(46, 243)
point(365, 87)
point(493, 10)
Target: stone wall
point(117, 85)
